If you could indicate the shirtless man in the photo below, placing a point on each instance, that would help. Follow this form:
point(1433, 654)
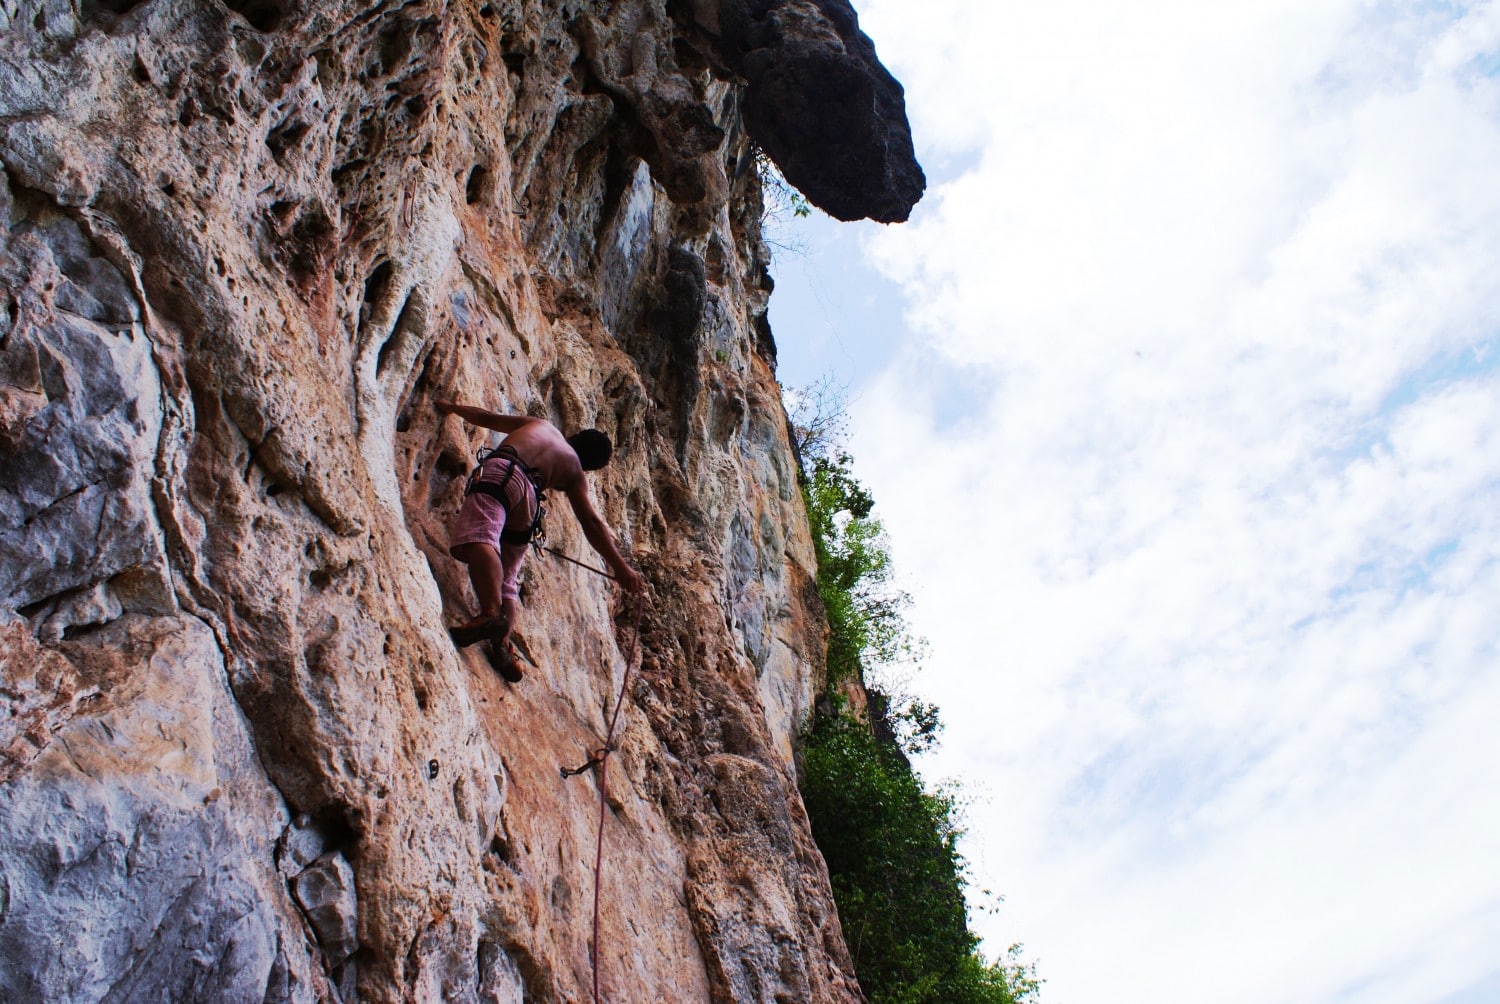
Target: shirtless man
point(504, 500)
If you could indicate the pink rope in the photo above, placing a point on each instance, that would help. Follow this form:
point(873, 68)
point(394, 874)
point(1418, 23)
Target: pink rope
point(601, 760)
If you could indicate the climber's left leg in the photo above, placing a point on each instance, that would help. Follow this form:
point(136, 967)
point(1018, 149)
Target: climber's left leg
point(487, 573)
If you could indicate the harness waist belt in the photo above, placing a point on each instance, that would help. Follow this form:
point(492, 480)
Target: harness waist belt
point(497, 492)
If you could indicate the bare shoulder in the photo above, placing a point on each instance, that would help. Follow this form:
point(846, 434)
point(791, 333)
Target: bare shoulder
point(532, 436)
point(571, 478)
point(576, 485)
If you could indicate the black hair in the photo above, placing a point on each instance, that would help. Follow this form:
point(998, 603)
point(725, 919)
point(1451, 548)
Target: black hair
point(592, 447)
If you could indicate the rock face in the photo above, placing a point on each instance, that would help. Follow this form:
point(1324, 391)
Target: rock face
point(821, 105)
point(244, 248)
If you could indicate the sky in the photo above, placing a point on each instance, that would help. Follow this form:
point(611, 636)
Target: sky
point(1179, 396)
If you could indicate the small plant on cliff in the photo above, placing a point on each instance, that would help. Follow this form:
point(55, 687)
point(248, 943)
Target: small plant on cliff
point(781, 208)
point(819, 419)
point(780, 197)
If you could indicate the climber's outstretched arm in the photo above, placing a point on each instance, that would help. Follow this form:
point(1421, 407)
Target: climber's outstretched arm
point(596, 531)
point(479, 416)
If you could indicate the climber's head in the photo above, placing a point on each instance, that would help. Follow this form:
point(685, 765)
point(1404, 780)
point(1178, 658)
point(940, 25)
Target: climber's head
point(592, 447)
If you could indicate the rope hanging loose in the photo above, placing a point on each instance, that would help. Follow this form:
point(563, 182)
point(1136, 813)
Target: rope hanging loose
point(600, 761)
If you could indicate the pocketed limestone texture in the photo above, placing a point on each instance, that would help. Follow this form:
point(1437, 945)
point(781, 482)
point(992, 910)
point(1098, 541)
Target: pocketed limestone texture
point(242, 250)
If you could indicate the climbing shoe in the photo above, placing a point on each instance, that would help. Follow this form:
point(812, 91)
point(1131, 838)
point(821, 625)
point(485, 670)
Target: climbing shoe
point(470, 634)
point(505, 659)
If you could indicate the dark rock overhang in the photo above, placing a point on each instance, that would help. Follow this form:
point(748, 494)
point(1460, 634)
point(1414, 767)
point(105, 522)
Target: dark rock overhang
point(820, 104)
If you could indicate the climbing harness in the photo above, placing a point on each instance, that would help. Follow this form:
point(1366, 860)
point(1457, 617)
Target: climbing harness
point(523, 536)
point(536, 533)
point(599, 761)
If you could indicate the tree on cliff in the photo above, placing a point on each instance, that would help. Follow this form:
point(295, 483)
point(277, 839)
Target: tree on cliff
point(890, 845)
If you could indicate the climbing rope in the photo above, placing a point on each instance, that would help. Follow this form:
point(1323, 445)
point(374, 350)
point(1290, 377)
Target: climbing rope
point(600, 761)
point(558, 554)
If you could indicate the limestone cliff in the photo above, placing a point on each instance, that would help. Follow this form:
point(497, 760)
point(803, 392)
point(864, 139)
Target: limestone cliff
point(243, 249)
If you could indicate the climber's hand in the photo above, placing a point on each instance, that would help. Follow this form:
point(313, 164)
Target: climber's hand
point(443, 406)
point(630, 580)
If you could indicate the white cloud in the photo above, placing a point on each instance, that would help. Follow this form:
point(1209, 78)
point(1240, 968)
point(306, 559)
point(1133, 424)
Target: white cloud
point(1209, 568)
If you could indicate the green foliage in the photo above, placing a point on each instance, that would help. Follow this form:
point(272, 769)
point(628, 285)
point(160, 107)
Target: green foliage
point(890, 846)
point(866, 616)
point(781, 204)
point(897, 876)
point(915, 725)
point(780, 197)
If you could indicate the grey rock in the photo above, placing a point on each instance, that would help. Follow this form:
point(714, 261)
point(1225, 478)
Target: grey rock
point(301, 844)
point(93, 287)
point(499, 979)
point(129, 871)
point(84, 608)
point(216, 942)
point(75, 506)
point(326, 892)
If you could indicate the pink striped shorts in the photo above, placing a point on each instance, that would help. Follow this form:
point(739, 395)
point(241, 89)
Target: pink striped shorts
point(483, 518)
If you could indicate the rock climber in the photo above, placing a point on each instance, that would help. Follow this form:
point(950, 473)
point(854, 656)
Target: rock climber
point(501, 511)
